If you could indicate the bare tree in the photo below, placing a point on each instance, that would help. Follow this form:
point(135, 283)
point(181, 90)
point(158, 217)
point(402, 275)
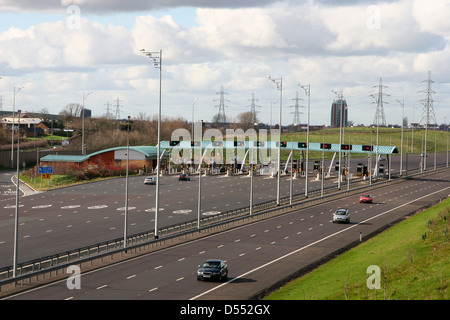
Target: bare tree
point(247, 120)
point(70, 111)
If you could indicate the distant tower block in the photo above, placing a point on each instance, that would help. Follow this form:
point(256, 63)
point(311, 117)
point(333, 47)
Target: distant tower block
point(339, 112)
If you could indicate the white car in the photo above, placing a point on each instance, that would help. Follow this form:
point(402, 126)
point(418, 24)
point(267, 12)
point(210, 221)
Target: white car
point(150, 180)
point(341, 215)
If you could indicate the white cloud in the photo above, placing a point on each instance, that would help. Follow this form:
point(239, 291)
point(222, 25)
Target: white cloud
point(53, 46)
point(328, 45)
point(432, 16)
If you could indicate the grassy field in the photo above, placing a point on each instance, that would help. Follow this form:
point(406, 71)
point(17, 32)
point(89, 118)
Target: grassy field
point(413, 258)
point(57, 180)
point(413, 140)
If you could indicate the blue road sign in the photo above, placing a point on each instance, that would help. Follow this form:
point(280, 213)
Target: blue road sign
point(46, 170)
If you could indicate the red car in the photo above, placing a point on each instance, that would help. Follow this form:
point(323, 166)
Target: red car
point(365, 198)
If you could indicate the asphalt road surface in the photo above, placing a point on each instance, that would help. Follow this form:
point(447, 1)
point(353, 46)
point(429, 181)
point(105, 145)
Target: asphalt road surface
point(74, 217)
point(259, 255)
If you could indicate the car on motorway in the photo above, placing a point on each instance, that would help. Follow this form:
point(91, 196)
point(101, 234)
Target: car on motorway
point(150, 180)
point(365, 198)
point(184, 177)
point(341, 215)
point(212, 269)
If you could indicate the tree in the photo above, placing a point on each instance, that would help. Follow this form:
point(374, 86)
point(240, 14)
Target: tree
point(70, 111)
point(247, 120)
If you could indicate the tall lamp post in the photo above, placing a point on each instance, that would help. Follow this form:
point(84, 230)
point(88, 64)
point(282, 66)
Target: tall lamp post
point(125, 228)
point(193, 104)
point(192, 133)
point(156, 58)
point(308, 93)
point(16, 217)
point(16, 91)
point(279, 84)
point(83, 146)
point(402, 103)
point(340, 97)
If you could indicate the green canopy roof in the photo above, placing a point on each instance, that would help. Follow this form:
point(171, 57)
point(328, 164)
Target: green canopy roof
point(148, 151)
point(313, 146)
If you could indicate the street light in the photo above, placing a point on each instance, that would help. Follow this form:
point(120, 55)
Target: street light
point(192, 133)
point(16, 91)
point(308, 93)
point(279, 84)
point(156, 58)
point(340, 97)
point(402, 103)
point(16, 217)
point(83, 146)
point(193, 104)
point(125, 229)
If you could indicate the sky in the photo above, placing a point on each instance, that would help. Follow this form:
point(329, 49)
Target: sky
point(56, 52)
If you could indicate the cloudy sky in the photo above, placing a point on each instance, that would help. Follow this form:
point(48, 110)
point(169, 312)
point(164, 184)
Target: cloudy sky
point(59, 49)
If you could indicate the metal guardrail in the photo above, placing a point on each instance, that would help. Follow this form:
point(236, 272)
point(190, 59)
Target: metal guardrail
point(55, 264)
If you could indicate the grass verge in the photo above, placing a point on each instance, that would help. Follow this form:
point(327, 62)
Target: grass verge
point(413, 259)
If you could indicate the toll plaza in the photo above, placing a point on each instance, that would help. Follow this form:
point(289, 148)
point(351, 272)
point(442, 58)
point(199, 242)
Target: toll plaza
point(240, 151)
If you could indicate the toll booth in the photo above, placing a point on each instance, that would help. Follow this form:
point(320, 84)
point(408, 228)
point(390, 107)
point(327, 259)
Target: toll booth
point(316, 166)
point(359, 169)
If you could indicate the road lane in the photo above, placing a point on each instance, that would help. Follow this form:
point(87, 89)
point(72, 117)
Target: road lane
point(258, 254)
point(78, 216)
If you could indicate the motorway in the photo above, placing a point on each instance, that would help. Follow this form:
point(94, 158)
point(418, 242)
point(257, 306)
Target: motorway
point(69, 218)
point(259, 254)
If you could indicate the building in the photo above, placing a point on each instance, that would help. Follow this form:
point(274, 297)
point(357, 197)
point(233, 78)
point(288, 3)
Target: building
point(113, 159)
point(336, 113)
point(29, 126)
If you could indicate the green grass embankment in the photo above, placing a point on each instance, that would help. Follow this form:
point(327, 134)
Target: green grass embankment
point(413, 258)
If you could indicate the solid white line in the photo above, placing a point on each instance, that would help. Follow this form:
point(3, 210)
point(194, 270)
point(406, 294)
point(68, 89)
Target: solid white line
point(311, 244)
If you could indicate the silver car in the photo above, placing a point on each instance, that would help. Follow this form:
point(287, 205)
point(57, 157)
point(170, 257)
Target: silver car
point(341, 215)
point(150, 180)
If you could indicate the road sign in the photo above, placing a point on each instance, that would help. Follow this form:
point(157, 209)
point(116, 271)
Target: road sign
point(46, 170)
point(46, 176)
